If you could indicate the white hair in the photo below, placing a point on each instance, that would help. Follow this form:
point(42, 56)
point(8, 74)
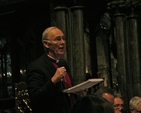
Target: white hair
point(134, 102)
point(46, 32)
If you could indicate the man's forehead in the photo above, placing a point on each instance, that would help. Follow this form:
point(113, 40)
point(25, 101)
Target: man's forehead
point(118, 99)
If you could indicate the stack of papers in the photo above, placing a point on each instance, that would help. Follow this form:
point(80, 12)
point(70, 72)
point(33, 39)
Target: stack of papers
point(84, 85)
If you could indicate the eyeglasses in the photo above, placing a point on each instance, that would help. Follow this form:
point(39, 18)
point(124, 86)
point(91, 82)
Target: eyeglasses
point(59, 39)
point(118, 105)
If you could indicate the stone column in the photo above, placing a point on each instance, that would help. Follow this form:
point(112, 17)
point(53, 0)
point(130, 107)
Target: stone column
point(77, 43)
point(134, 52)
point(120, 35)
point(61, 15)
point(121, 64)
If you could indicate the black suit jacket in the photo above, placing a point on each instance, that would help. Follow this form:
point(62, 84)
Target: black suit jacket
point(45, 96)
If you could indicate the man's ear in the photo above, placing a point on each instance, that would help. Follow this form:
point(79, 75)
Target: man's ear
point(46, 43)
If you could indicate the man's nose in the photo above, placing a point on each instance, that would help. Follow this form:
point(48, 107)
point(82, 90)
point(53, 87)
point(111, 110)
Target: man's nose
point(62, 40)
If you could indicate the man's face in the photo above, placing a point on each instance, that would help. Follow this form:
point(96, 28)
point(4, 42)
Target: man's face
point(118, 104)
point(109, 98)
point(56, 43)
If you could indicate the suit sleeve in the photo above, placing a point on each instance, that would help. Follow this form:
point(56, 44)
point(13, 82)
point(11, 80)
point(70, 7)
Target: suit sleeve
point(40, 85)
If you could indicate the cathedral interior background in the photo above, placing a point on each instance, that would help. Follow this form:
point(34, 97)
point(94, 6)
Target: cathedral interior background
point(103, 41)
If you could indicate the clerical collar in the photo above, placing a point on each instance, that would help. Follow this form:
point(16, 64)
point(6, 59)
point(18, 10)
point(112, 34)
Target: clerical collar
point(53, 59)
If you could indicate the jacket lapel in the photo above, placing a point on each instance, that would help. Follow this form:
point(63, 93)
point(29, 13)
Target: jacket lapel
point(49, 64)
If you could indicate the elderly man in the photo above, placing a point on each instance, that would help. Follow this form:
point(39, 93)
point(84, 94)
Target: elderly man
point(49, 75)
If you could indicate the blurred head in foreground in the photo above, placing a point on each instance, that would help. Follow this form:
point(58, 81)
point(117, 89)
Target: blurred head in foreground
point(92, 104)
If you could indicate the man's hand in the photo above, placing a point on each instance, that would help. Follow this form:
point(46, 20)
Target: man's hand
point(81, 93)
point(59, 74)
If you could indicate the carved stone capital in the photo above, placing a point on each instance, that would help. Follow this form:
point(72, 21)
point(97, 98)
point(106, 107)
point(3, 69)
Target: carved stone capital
point(124, 6)
point(117, 6)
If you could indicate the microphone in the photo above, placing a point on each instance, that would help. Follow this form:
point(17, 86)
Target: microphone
point(62, 63)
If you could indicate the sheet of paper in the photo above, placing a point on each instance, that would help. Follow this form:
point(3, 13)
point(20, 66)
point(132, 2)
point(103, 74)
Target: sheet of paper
point(82, 86)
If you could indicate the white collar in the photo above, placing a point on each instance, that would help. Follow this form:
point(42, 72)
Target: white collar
point(53, 58)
